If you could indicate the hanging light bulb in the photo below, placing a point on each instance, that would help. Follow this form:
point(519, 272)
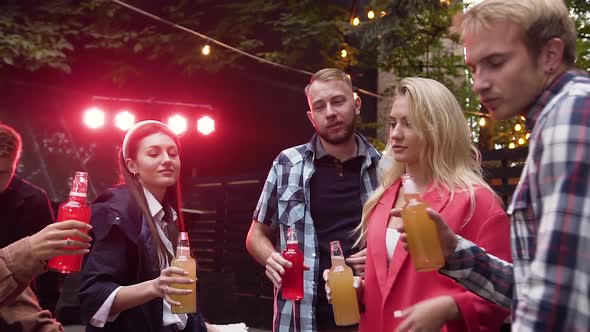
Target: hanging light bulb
point(383, 13)
point(517, 127)
point(356, 21)
point(482, 122)
point(343, 53)
point(206, 50)
point(522, 118)
point(521, 141)
point(371, 14)
point(511, 145)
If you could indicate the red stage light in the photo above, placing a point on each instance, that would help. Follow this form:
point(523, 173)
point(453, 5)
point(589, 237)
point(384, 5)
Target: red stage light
point(178, 124)
point(206, 125)
point(124, 120)
point(94, 118)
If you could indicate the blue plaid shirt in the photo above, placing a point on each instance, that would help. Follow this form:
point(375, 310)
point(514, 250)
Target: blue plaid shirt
point(284, 202)
point(548, 286)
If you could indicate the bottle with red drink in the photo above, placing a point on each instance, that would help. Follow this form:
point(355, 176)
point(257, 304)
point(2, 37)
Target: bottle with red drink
point(292, 287)
point(75, 208)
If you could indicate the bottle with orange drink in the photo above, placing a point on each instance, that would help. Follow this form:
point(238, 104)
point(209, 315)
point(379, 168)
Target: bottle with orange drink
point(183, 260)
point(344, 301)
point(423, 241)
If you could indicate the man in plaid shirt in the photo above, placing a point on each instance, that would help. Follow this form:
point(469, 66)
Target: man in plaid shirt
point(521, 54)
point(318, 188)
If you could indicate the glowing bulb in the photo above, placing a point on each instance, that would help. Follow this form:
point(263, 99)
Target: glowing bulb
point(206, 50)
point(511, 145)
point(527, 135)
point(522, 118)
point(371, 14)
point(482, 122)
point(521, 141)
point(177, 124)
point(343, 53)
point(383, 13)
point(124, 120)
point(94, 118)
point(356, 21)
point(517, 127)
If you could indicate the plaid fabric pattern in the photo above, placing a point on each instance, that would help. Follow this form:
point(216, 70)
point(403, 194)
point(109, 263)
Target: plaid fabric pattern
point(283, 203)
point(550, 214)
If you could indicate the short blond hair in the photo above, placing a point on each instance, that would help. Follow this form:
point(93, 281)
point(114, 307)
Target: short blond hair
point(329, 74)
point(541, 20)
point(10, 142)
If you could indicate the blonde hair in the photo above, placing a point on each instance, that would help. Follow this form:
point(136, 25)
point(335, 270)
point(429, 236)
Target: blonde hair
point(540, 20)
point(329, 74)
point(10, 143)
point(448, 153)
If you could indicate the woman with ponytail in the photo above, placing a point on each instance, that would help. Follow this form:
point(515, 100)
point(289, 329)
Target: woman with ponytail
point(126, 278)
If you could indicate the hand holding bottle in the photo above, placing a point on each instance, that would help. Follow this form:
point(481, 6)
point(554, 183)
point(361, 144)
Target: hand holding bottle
point(448, 238)
point(63, 238)
point(275, 268)
point(357, 282)
point(169, 276)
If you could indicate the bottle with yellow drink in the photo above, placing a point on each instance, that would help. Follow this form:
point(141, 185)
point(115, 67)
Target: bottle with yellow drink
point(344, 301)
point(183, 260)
point(423, 241)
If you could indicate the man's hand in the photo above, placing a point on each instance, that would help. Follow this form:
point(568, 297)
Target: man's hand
point(357, 262)
point(275, 268)
point(357, 283)
point(448, 238)
point(61, 238)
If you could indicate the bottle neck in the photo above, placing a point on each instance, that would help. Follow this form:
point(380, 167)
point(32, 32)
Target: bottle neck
point(183, 251)
point(292, 245)
point(77, 198)
point(337, 261)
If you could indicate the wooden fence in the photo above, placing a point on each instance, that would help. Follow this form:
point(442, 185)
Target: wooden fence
point(219, 213)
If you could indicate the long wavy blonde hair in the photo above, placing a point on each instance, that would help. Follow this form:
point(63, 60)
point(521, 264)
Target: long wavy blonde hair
point(448, 154)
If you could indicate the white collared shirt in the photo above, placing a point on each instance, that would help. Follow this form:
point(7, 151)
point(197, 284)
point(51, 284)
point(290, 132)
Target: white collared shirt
point(104, 315)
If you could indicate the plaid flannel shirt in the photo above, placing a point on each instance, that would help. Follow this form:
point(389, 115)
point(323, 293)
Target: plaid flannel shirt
point(284, 202)
point(548, 286)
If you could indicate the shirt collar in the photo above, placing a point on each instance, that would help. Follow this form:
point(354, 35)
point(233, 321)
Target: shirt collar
point(156, 209)
point(550, 91)
point(320, 152)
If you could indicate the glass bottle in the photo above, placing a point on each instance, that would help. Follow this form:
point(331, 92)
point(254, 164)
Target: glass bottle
point(75, 208)
point(423, 241)
point(292, 285)
point(183, 260)
point(344, 301)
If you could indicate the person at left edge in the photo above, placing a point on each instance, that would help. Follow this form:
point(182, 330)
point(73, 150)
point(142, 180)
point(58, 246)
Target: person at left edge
point(126, 278)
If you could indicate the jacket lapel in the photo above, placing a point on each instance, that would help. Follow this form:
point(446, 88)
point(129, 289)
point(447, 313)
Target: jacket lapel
point(437, 200)
point(378, 224)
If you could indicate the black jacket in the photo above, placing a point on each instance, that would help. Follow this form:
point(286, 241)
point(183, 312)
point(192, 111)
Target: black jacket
point(121, 255)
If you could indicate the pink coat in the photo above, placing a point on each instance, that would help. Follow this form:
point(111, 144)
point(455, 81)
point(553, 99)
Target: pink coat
point(400, 286)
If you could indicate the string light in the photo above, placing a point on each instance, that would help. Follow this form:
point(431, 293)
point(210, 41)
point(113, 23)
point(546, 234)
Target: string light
point(206, 50)
point(527, 135)
point(383, 13)
point(511, 145)
point(517, 127)
point(343, 53)
point(371, 14)
point(356, 21)
point(521, 141)
point(482, 122)
point(522, 118)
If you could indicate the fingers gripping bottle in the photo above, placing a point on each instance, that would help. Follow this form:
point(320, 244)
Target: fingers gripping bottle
point(75, 208)
point(423, 241)
point(344, 301)
point(292, 285)
point(183, 260)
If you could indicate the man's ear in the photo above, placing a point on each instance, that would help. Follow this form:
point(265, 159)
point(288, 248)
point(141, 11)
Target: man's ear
point(552, 55)
point(357, 104)
point(310, 117)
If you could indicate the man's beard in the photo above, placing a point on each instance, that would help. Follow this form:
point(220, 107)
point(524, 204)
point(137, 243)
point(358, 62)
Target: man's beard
point(340, 137)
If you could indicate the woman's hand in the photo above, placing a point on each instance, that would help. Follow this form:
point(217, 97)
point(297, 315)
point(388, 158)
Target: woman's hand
point(163, 284)
point(428, 315)
point(357, 283)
